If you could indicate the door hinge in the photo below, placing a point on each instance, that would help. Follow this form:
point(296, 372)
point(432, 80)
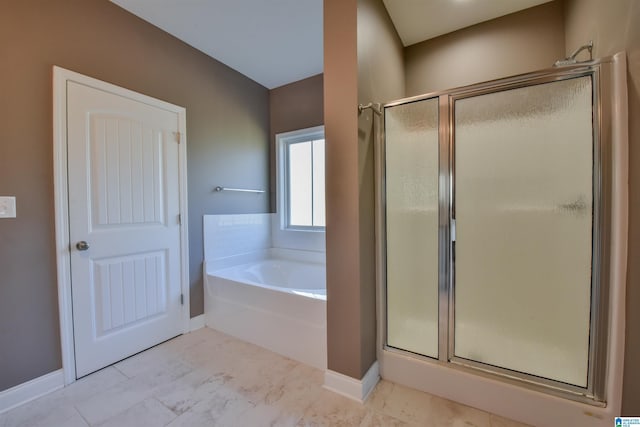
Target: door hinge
point(181, 299)
point(178, 136)
point(179, 219)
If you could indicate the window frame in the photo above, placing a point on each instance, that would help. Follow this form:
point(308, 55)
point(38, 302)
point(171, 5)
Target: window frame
point(283, 141)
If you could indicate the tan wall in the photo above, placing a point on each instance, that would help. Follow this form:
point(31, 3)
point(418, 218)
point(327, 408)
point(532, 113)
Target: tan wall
point(614, 26)
point(298, 105)
point(344, 328)
point(380, 79)
point(359, 66)
point(513, 44)
point(227, 131)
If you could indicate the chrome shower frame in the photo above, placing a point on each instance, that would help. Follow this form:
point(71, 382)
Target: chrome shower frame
point(600, 72)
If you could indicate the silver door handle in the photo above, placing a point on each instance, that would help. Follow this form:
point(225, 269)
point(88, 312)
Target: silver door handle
point(82, 245)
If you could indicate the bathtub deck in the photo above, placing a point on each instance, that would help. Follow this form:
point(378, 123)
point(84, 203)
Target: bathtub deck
point(207, 378)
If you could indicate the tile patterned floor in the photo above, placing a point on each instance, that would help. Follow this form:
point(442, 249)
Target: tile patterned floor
point(206, 378)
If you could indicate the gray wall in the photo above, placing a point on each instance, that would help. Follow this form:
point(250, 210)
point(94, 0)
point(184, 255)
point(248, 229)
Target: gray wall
point(513, 44)
point(298, 105)
point(614, 26)
point(227, 132)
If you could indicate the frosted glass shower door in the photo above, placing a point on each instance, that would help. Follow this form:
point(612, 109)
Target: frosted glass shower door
point(523, 208)
point(411, 152)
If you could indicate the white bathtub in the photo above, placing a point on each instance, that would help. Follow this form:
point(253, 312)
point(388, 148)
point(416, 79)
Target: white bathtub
point(277, 301)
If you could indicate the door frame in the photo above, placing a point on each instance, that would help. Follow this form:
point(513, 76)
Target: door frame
point(61, 197)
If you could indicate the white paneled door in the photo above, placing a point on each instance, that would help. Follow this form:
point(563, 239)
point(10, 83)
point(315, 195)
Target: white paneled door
point(124, 225)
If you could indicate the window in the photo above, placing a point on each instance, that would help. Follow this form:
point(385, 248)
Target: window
point(301, 179)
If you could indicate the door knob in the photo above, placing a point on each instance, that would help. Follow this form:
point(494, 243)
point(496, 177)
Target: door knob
point(82, 245)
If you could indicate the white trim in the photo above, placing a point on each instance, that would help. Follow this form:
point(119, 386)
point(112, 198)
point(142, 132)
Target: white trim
point(358, 390)
point(370, 380)
point(61, 197)
point(184, 217)
point(284, 236)
point(63, 259)
point(31, 390)
point(283, 140)
point(196, 323)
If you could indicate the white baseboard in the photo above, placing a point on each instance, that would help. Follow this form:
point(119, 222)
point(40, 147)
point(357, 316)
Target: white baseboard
point(358, 390)
point(196, 323)
point(26, 392)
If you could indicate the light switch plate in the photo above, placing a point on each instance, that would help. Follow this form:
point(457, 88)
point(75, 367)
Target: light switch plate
point(7, 207)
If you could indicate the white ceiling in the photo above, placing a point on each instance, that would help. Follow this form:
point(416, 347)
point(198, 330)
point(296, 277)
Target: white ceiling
point(419, 20)
point(273, 42)
point(276, 42)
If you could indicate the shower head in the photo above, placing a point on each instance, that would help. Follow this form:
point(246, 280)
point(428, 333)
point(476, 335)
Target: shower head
point(571, 59)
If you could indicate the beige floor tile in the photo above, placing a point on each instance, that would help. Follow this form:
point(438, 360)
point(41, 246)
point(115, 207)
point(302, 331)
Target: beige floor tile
point(151, 361)
point(207, 378)
point(193, 419)
point(408, 405)
point(183, 343)
point(415, 407)
point(379, 395)
point(376, 419)
point(223, 408)
point(497, 421)
point(260, 375)
point(445, 413)
point(331, 409)
point(58, 408)
point(92, 384)
point(241, 352)
point(293, 397)
point(39, 413)
point(148, 413)
point(113, 401)
point(300, 387)
point(217, 353)
point(189, 390)
point(75, 421)
point(267, 415)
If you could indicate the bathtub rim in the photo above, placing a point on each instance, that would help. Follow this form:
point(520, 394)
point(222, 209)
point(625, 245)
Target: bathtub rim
point(286, 290)
point(269, 253)
point(211, 268)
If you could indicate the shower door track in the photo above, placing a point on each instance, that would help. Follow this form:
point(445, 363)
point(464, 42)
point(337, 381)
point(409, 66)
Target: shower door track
point(594, 393)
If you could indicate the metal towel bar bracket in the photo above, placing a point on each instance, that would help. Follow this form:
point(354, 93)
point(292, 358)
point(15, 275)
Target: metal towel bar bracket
point(241, 190)
point(375, 107)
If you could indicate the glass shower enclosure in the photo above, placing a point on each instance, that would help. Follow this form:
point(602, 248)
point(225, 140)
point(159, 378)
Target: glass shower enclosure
point(495, 229)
